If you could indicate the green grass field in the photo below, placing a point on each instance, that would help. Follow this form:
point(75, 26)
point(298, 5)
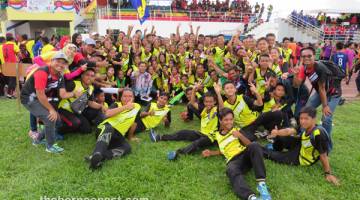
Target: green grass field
point(28, 172)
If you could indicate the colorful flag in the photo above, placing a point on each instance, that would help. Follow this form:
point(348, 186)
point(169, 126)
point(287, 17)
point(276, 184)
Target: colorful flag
point(142, 9)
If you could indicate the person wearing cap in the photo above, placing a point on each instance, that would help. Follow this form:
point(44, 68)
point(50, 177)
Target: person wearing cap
point(85, 55)
point(69, 50)
point(40, 95)
point(44, 60)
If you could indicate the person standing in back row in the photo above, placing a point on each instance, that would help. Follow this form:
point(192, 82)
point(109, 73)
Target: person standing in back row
point(327, 92)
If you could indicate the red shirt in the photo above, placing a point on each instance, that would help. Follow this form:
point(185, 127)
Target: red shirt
point(10, 49)
point(77, 57)
point(246, 19)
point(342, 30)
point(41, 77)
point(301, 74)
point(333, 30)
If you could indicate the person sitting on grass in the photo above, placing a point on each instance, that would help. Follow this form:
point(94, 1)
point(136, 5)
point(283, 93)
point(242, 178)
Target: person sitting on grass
point(79, 121)
point(111, 142)
point(246, 111)
point(306, 148)
point(152, 116)
point(188, 115)
point(97, 115)
point(241, 156)
point(200, 139)
point(40, 95)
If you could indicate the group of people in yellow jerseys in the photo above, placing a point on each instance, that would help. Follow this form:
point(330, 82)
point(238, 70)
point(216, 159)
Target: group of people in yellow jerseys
point(242, 90)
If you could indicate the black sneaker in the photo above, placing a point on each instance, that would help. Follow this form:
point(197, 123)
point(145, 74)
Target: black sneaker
point(96, 161)
point(341, 102)
point(153, 136)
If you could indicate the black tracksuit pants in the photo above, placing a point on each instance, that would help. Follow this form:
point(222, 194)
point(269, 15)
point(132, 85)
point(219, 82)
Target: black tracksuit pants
point(199, 140)
point(111, 144)
point(268, 120)
point(290, 157)
point(239, 165)
point(73, 122)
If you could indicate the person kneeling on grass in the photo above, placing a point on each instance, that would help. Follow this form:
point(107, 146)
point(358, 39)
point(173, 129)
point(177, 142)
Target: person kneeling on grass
point(200, 139)
point(40, 95)
point(111, 142)
point(152, 116)
point(241, 155)
point(306, 149)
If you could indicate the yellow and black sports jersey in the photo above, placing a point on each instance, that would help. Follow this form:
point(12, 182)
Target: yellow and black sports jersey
point(244, 116)
point(123, 120)
point(229, 145)
point(155, 120)
point(209, 122)
point(312, 145)
point(65, 103)
point(269, 105)
point(219, 54)
point(145, 57)
point(287, 54)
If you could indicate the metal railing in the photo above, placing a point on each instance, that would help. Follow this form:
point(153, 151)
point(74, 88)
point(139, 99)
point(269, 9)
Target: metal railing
point(208, 16)
point(319, 33)
point(305, 26)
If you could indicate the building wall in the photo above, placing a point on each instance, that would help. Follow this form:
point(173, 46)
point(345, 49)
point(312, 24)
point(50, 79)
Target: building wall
point(165, 28)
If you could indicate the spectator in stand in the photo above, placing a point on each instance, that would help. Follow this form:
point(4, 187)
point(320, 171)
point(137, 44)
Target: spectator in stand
point(246, 22)
point(257, 8)
point(270, 9)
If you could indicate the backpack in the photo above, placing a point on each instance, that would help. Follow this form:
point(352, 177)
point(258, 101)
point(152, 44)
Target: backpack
point(336, 73)
point(329, 144)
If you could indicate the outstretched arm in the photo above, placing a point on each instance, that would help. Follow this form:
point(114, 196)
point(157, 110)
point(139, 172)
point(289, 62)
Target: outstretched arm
point(327, 171)
point(207, 153)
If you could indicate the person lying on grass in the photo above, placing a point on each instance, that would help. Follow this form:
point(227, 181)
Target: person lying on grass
point(152, 116)
point(304, 147)
point(200, 139)
point(111, 142)
point(241, 156)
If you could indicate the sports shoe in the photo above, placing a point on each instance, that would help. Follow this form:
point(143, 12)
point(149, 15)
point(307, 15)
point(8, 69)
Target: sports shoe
point(95, 161)
point(153, 136)
point(269, 146)
point(253, 197)
point(342, 101)
point(172, 155)
point(54, 149)
point(260, 134)
point(37, 142)
point(264, 193)
point(33, 134)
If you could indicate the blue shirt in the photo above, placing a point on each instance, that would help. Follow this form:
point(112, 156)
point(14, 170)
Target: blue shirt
point(340, 59)
point(37, 48)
